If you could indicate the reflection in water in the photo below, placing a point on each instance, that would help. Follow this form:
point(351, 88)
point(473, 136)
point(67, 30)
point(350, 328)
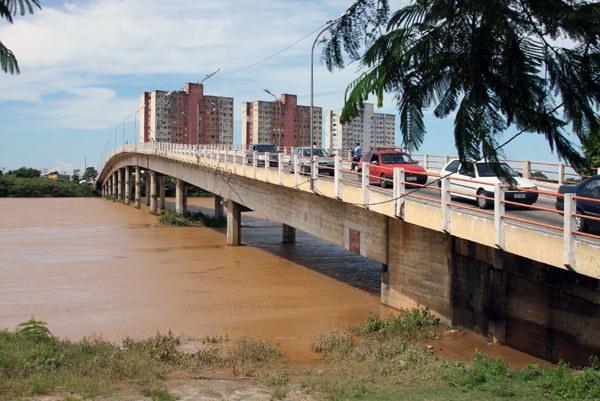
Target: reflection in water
point(93, 267)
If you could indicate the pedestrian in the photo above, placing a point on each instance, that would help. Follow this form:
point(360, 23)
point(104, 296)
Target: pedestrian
point(356, 155)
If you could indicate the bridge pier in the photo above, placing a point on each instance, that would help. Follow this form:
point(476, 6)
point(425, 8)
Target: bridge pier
point(147, 197)
point(127, 172)
point(138, 188)
point(113, 180)
point(180, 203)
point(161, 181)
point(153, 192)
point(288, 234)
point(218, 206)
point(234, 217)
point(122, 184)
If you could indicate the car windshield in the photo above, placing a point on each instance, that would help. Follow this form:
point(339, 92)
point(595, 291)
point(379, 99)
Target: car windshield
point(396, 158)
point(318, 152)
point(266, 148)
point(487, 169)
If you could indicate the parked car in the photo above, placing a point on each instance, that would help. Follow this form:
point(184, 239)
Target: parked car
point(261, 150)
point(588, 188)
point(482, 180)
point(326, 166)
point(382, 164)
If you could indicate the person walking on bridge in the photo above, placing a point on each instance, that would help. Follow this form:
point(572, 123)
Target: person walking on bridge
point(356, 155)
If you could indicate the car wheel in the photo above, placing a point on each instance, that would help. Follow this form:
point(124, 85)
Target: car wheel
point(482, 202)
point(384, 182)
point(580, 224)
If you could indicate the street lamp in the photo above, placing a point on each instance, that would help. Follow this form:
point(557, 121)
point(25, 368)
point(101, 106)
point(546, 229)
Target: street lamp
point(198, 109)
point(278, 115)
point(329, 25)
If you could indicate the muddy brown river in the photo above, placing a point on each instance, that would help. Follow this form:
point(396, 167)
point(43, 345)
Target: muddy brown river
point(91, 267)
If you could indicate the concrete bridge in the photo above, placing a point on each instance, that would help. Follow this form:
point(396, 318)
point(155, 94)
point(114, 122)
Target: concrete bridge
point(530, 288)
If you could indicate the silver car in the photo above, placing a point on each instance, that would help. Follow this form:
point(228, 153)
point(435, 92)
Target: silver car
point(326, 163)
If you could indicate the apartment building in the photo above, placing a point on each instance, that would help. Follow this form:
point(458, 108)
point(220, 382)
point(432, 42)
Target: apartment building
point(370, 129)
point(281, 122)
point(186, 116)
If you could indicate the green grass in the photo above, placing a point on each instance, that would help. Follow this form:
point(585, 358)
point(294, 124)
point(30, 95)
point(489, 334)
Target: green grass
point(170, 218)
point(382, 360)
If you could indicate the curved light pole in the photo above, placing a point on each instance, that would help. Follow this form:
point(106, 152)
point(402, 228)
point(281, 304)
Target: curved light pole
point(198, 109)
point(279, 117)
point(329, 25)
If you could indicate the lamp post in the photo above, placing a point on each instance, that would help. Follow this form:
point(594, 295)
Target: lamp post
point(278, 116)
point(329, 25)
point(198, 109)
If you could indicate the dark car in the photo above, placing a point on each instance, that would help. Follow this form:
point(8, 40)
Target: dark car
point(263, 151)
point(588, 188)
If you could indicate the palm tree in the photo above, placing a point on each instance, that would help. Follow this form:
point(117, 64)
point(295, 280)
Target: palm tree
point(8, 8)
point(529, 64)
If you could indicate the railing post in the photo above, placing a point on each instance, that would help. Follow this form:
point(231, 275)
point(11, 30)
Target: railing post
point(570, 245)
point(254, 164)
point(499, 210)
point(266, 166)
point(296, 172)
point(526, 168)
point(365, 185)
point(337, 163)
point(314, 170)
point(446, 212)
point(399, 191)
point(280, 167)
point(446, 160)
point(426, 162)
point(561, 174)
point(225, 157)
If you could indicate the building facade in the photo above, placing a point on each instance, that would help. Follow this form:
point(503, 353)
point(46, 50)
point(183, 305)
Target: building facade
point(186, 116)
point(370, 129)
point(282, 123)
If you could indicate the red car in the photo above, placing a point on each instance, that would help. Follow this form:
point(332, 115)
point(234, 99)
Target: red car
point(383, 162)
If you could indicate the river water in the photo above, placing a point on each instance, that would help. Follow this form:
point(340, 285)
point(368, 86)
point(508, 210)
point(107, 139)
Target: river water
point(91, 267)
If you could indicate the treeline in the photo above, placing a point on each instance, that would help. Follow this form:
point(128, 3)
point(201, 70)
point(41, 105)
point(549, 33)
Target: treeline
point(27, 183)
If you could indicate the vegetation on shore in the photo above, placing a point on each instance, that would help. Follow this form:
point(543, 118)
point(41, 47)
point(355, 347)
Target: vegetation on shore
point(171, 218)
point(379, 360)
point(27, 183)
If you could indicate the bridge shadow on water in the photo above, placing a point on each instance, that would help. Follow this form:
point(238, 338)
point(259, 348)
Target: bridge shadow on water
point(308, 251)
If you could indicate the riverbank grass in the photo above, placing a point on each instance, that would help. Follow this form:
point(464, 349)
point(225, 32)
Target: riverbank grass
point(34, 362)
point(383, 360)
point(171, 218)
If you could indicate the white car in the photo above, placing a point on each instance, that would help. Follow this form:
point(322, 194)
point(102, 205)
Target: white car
point(481, 182)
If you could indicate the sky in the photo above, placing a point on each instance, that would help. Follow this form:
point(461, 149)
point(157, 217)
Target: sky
point(84, 64)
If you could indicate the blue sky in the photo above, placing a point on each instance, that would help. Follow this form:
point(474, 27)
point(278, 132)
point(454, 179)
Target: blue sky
point(85, 63)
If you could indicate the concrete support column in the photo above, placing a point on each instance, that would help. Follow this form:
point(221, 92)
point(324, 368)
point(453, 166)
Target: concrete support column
point(121, 174)
point(162, 204)
point(218, 206)
point(138, 188)
point(185, 196)
point(179, 197)
point(152, 191)
point(127, 192)
point(113, 180)
point(147, 197)
point(288, 234)
point(234, 217)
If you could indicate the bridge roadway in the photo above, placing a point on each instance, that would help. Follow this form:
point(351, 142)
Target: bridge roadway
point(535, 289)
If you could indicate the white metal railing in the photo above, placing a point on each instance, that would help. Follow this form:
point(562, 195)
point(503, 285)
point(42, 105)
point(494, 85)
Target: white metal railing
point(233, 158)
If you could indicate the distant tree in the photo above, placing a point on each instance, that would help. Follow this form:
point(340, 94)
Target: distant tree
point(90, 174)
point(530, 64)
point(25, 172)
point(75, 175)
point(8, 8)
point(591, 150)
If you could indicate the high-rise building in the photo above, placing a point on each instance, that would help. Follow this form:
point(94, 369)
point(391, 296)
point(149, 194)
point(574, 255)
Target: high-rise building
point(281, 122)
point(368, 128)
point(186, 116)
